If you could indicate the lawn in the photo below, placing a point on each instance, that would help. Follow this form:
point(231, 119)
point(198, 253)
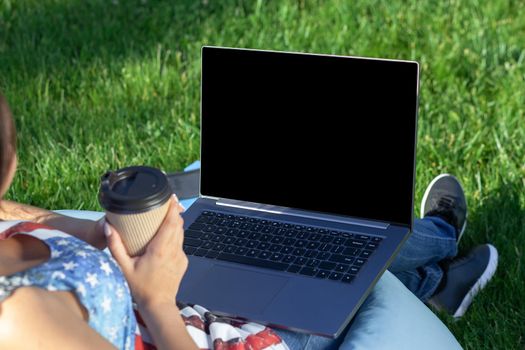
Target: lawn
point(99, 84)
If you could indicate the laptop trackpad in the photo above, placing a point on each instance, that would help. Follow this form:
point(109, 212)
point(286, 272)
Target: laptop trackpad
point(230, 290)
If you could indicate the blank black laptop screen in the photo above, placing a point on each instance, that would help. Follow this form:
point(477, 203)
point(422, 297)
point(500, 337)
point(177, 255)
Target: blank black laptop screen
point(322, 133)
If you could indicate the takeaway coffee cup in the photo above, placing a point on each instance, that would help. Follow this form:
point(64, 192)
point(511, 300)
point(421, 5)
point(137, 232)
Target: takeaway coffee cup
point(136, 200)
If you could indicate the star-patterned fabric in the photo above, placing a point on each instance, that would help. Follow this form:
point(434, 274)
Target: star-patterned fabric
point(93, 276)
point(97, 281)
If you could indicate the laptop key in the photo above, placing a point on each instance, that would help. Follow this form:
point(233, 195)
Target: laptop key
point(299, 251)
point(192, 242)
point(325, 265)
point(312, 262)
point(359, 262)
point(229, 249)
point(311, 253)
point(377, 239)
point(300, 243)
point(323, 255)
point(323, 274)
point(337, 249)
point(366, 253)
point(264, 255)
point(217, 238)
point(196, 226)
point(291, 233)
point(286, 250)
point(327, 239)
point(289, 259)
point(300, 261)
point(341, 259)
point(339, 240)
point(218, 246)
point(315, 237)
point(335, 276)
point(193, 234)
point(356, 243)
point(241, 250)
point(371, 246)
point(207, 245)
point(212, 254)
point(354, 269)
point(351, 251)
point(363, 237)
point(276, 256)
point(275, 248)
point(200, 252)
point(342, 268)
point(229, 240)
point(312, 245)
point(241, 241)
point(252, 252)
point(209, 228)
point(347, 278)
point(265, 237)
point(325, 247)
point(289, 241)
point(202, 219)
point(294, 268)
point(277, 239)
point(189, 250)
point(263, 246)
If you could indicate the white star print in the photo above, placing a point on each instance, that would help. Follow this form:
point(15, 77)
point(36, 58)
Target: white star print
point(62, 242)
point(105, 267)
point(55, 253)
point(58, 275)
point(120, 293)
point(92, 279)
point(82, 254)
point(81, 289)
point(51, 288)
point(112, 333)
point(106, 305)
point(16, 280)
point(69, 265)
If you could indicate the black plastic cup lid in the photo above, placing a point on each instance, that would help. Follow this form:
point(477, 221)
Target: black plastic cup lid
point(133, 189)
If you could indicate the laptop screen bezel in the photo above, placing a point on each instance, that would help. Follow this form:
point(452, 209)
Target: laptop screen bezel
point(203, 174)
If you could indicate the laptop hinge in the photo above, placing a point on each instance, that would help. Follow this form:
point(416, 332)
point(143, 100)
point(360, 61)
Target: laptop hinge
point(299, 213)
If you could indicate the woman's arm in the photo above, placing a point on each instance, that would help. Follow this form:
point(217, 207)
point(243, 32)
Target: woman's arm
point(86, 230)
point(34, 318)
point(154, 280)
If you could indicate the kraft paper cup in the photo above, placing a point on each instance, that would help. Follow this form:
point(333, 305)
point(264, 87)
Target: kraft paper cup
point(136, 200)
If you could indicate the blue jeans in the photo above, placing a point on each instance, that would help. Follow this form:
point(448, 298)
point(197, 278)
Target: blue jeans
point(416, 265)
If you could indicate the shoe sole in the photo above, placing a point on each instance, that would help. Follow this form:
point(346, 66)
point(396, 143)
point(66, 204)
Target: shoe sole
point(425, 197)
point(482, 281)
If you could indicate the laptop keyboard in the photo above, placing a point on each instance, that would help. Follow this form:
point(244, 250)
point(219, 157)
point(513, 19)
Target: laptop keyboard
point(305, 250)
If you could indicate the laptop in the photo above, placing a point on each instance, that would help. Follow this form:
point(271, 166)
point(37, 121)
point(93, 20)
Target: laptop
point(306, 188)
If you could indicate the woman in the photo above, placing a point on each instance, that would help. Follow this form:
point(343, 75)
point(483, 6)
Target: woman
point(64, 293)
point(68, 295)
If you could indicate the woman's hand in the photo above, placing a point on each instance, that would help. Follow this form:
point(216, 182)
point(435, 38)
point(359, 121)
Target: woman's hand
point(155, 276)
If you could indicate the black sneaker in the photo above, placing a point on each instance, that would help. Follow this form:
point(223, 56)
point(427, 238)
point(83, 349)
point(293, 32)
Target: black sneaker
point(463, 279)
point(444, 197)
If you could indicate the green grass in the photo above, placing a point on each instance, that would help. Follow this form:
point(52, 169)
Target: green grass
point(102, 84)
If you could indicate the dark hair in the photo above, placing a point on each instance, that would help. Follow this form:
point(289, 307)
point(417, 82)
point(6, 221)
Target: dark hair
point(7, 137)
